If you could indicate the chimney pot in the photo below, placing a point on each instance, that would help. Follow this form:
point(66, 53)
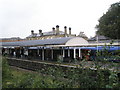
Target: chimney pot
point(53, 28)
point(32, 32)
point(69, 28)
point(65, 27)
point(40, 32)
point(57, 26)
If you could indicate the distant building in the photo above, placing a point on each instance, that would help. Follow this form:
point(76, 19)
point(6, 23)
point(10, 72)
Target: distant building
point(13, 39)
point(81, 34)
point(100, 39)
point(55, 33)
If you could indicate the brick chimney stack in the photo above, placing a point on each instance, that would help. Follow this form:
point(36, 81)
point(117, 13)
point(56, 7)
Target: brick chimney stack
point(53, 30)
point(65, 30)
point(40, 32)
point(69, 30)
point(57, 29)
point(32, 32)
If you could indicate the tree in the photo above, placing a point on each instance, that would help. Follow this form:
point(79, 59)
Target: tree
point(109, 23)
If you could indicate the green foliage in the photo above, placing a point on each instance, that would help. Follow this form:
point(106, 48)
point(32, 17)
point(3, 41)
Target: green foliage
point(109, 22)
point(113, 81)
point(6, 72)
point(58, 77)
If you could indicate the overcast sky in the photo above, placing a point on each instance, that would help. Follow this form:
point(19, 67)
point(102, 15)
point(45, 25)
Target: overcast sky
point(19, 17)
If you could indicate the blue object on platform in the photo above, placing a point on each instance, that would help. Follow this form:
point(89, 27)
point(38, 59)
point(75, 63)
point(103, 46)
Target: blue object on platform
point(110, 48)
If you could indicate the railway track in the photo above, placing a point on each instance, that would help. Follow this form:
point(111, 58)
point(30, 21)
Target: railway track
point(38, 65)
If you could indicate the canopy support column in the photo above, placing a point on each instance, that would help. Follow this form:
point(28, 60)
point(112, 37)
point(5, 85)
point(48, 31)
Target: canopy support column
point(38, 51)
point(63, 52)
point(80, 53)
point(68, 52)
point(43, 54)
point(74, 53)
point(52, 53)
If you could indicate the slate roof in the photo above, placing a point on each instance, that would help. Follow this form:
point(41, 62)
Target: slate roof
point(100, 37)
point(54, 41)
point(13, 38)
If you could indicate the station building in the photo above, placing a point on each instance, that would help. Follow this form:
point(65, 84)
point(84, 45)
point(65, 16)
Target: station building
point(54, 45)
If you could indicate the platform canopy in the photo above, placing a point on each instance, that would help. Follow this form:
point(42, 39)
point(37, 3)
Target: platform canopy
point(63, 41)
